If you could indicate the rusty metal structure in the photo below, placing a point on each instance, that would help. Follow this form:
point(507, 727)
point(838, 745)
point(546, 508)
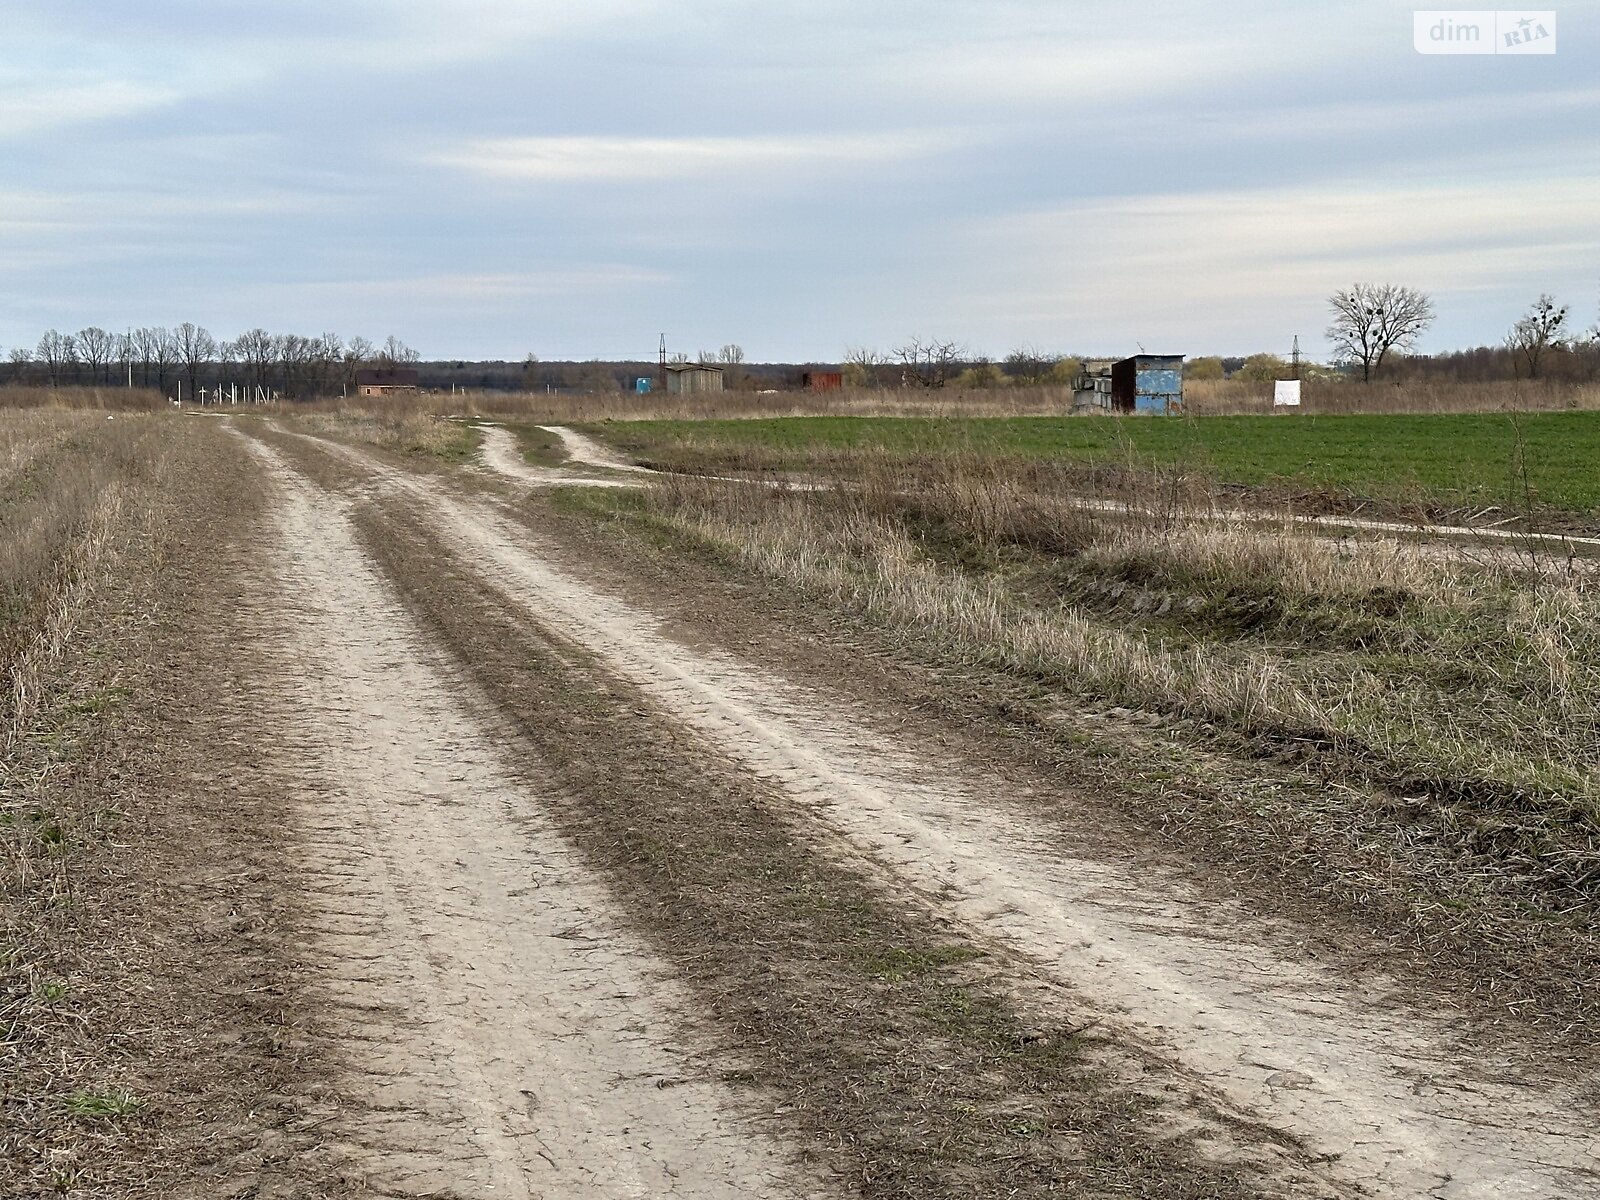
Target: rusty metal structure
point(1148, 383)
point(822, 381)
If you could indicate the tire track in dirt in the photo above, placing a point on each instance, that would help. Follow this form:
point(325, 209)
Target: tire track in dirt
point(1380, 1089)
point(503, 1035)
point(500, 453)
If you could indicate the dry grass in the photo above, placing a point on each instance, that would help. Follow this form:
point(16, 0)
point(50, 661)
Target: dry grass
point(626, 406)
point(75, 491)
point(1240, 397)
point(1467, 684)
point(1204, 397)
point(412, 433)
point(67, 479)
point(96, 399)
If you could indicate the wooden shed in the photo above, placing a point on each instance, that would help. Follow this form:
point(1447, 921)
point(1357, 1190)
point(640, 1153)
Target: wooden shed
point(688, 378)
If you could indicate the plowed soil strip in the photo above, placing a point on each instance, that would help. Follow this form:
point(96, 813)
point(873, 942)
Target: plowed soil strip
point(1384, 1092)
point(505, 1035)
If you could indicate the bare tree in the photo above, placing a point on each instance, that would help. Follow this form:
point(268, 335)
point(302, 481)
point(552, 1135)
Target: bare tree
point(863, 367)
point(357, 354)
point(194, 347)
point(296, 357)
point(57, 353)
point(328, 363)
point(227, 360)
point(98, 349)
point(1542, 328)
point(1371, 319)
point(1029, 365)
point(928, 363)
point(142, 350)
point(395, 352)
point(731, 357)
point(21, 359)
point(163, 353)
point(256, 351)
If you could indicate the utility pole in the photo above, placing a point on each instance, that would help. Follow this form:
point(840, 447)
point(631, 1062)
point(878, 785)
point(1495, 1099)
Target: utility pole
point(663, 370)
point(1294, 357)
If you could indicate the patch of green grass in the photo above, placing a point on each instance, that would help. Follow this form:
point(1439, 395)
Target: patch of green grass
point(1469, 458)
point(898, 962)
point(53, 991)
point(98, 702)
point(105, 1104)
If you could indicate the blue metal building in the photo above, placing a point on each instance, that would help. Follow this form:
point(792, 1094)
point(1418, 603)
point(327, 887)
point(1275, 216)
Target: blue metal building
point(1150, 383)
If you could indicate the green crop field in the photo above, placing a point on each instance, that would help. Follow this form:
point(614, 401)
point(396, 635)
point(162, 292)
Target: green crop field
point(1489, 458)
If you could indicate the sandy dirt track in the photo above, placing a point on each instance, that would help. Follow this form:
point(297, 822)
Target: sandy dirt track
point(1378, 1089)
point(501, 454)
point(1372, 1086)
point(516, 1041)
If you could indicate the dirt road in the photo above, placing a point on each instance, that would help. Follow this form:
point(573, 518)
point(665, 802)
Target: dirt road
point(523, 1040)
point(511, 1030)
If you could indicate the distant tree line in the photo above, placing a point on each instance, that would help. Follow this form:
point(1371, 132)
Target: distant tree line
point(1374, 329)
point(155, 356)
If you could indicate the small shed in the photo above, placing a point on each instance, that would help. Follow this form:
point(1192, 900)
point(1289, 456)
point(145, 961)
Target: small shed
point(386, 381)
point(823, 381)
point(685, 379)
point(1150, 383)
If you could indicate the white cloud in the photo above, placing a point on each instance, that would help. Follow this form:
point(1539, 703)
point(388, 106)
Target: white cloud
point(490, 287)
point(1216, 268)
point(33, 106)
point(611, 159)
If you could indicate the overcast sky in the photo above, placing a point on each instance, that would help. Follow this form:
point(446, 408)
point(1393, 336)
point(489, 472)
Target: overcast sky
point(489, 178)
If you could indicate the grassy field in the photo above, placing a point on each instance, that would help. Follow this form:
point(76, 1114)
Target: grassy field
point(1538, 460)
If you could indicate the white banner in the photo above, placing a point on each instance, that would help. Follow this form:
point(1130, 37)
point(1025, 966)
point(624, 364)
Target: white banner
point(1286, 393)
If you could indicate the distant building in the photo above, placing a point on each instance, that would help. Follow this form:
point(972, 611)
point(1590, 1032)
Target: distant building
point(687, 378)
point(1150, 383)
point(386, 381)
point(823, 381)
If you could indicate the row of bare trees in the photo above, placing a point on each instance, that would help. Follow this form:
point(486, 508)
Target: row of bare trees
point(159, 357)
point(1373, 320)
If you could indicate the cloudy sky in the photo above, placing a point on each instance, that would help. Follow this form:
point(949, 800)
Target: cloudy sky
point(489, 178)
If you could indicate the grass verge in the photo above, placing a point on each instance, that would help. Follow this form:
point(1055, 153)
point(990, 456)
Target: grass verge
point(141, 1002)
